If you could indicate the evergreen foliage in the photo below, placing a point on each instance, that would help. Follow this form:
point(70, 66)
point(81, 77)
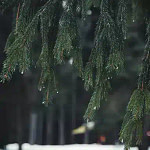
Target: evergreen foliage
point(59, 19)
point(139, 105)
point(106, 56)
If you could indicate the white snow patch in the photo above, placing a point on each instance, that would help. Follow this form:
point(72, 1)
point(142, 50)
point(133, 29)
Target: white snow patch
point(12, 147)
point(68, 147)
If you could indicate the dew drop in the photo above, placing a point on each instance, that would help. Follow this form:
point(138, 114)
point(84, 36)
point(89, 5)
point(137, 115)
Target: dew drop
point(78, 9)
point(4, 65)
point(21, 72)
point(64, 4)
point(71, 61)
point(89, 12)
point(108, 24)
point(57, 92)
point(95, 108)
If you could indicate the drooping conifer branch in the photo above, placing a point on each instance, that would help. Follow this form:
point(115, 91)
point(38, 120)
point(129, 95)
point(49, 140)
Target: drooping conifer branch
point(106, 59)
point(19, 43)
point(68, 41)
point(106, 56)
point(139, 105)
point(122, 16)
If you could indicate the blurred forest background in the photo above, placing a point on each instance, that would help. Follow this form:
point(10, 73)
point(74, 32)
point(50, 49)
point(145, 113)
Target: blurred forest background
point(25, 120)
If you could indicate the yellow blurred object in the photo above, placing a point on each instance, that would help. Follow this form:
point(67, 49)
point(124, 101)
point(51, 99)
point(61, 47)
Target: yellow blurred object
point(80, 130)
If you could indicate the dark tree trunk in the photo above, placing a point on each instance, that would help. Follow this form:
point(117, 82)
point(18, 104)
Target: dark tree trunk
point(61, 122)
point(19, 126)
point(86, 137)
point(73, 105)
point(50, 115)
point(44, 129)
point(33, 128)
point(40, 128)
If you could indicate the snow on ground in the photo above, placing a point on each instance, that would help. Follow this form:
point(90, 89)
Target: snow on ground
point(67, 147)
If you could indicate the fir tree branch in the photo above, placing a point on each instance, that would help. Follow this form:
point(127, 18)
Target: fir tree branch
point(139, 103)
point(106, 57)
